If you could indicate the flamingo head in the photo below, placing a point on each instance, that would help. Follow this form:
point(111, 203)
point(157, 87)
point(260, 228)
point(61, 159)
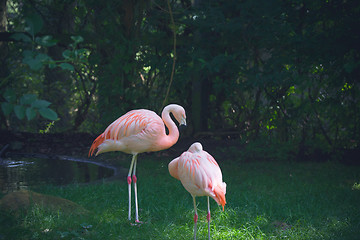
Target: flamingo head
point(195, 147)
point(178, 112)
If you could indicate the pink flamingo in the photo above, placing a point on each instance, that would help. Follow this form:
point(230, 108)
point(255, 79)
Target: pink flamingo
point(140, 131)
point(200, 174)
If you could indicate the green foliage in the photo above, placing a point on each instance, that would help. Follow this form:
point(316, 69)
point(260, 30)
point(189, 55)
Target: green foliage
point(56, 68)
point(286, 73)
point(48, 127)
point(28, 105)
point(37, 60)
point(356, 186)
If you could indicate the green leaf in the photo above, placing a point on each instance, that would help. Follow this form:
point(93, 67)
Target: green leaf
point(21, 37)
point(28, 99)
point(28, 54)
point(48, 113)
point(42, 57)
point(7, 108)
point(35, 60)
point(46, 41)
point(9, 95)
point(67, 54)
point(30, 113)
point(31, 61)
point(19, 111)
point(77, 39)
point(66, 66)
point(34, 24)
point(40, 104)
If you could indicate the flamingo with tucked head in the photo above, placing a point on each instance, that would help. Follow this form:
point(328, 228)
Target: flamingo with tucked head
point(200, 175)
point(136, 132)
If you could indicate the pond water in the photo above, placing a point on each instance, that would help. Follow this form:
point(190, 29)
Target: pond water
point(22, 172)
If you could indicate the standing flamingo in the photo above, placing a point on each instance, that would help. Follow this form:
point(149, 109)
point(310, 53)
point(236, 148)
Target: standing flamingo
point(140, 131)
point(200, 174)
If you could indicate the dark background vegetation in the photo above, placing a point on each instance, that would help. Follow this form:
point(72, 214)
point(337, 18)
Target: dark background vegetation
point(279, 75)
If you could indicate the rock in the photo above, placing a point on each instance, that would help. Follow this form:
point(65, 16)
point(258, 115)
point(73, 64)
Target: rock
point(23, 200)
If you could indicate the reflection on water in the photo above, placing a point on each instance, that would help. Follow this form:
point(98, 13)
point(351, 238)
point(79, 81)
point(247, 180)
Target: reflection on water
point(16, 174)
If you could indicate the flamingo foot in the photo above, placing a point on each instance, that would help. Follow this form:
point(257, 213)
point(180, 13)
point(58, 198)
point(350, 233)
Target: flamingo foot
point(137, 223)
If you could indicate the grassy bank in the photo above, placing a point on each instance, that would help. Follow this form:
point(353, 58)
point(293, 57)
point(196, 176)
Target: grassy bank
point(265, 200)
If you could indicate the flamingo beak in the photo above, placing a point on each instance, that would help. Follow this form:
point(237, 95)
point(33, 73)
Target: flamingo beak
point(183, 121)
point(182, 125)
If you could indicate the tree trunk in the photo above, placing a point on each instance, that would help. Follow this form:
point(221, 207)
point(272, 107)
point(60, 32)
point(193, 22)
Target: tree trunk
point(200, 103)
point(4, 70)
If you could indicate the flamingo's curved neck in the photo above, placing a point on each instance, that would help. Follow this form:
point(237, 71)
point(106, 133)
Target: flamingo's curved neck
point(173, 135)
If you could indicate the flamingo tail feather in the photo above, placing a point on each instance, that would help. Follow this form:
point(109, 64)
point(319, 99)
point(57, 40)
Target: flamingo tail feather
point(99, 140)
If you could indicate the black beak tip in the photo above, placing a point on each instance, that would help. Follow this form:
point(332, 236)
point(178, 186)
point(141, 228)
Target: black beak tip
point(182, 128)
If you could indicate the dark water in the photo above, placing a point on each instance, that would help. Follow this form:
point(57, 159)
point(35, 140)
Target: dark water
point(20, 173)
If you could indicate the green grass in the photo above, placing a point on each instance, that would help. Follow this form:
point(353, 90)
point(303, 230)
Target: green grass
point(265, 200)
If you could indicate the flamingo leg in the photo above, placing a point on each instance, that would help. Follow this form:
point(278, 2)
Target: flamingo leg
point(129, 183)
point(208, 216)
point(195, 218)
point(135, 192)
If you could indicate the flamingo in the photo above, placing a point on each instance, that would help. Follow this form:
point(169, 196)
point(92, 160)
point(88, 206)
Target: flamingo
point(136, 132)
point(200, 175)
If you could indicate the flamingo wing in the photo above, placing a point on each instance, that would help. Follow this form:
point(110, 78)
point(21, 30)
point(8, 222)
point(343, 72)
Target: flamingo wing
point(133, 123)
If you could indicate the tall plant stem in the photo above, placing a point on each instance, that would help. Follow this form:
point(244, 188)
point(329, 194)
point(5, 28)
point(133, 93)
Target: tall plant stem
point(174, 57)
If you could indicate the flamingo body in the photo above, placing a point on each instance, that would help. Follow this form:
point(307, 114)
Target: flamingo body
point(140, 131)
point(200, 175)
point(137, 131)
